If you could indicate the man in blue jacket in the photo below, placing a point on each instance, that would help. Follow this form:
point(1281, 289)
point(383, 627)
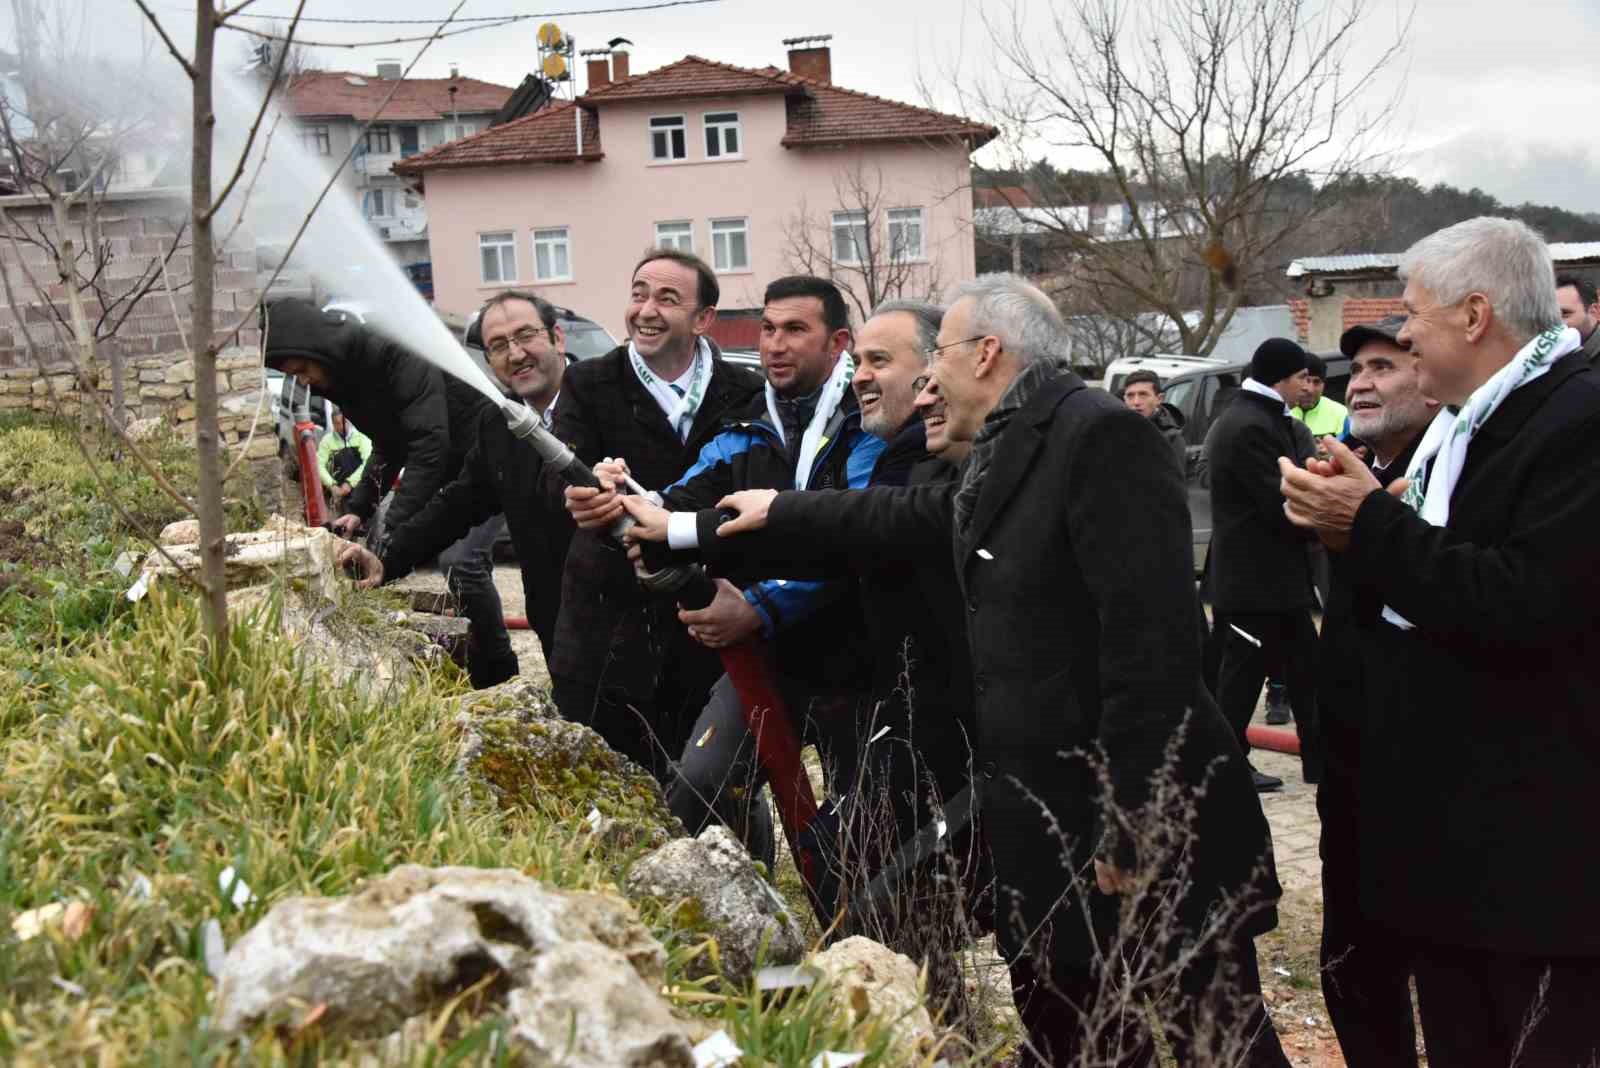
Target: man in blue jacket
point(803, 432)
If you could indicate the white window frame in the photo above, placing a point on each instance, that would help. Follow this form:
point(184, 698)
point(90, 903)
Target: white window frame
point(490, 239)
point(918, 254)
point(551, 242)
point(379, 140)
point(681, 229)
point(316, 139)
point(382, 202)
point(854, 222)
point(682, 128)
point(724, 264)
point(722, 127)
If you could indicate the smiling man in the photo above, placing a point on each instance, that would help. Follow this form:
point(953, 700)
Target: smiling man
point(1482, 743)
point(1580, 309)
point(527, 353)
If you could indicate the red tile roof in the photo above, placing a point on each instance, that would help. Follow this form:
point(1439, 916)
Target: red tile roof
point(818, 114)
point(332, 92)
point(693, 76)
point(546, 136)
point(1361, 310)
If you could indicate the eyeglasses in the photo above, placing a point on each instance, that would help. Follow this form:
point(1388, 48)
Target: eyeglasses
point(933, 353)
point(499, 347)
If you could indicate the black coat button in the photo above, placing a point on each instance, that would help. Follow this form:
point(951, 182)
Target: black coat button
point(990, 770)
point(979, 684)
point(972, 605)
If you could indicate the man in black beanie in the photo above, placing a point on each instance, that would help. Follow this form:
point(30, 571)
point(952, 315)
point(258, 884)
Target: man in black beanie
point(1261, 581)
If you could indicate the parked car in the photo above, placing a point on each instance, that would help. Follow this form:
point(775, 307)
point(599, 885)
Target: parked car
point(1201, 389)
point(293, 403)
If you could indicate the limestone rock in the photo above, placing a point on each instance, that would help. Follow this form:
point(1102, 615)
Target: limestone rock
point(407, 943)
point(283, 548)
point(182, 532)
point(144, 429)
point(518, 748)
point(871, 986)
point(712, 881)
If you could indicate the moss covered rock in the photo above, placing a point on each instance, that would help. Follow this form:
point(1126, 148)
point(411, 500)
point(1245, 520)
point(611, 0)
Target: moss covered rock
point(521, 753)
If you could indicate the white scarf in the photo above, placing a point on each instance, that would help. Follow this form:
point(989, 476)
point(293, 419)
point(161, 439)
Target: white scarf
point(1450, 434)
point(811, 442)
point(680, 411)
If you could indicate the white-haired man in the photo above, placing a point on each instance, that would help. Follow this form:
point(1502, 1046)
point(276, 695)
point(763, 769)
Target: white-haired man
point(1481, 745)
point(1073, 558)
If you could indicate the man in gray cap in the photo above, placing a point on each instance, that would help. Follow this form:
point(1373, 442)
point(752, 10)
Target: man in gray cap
point(1261, 578)
point(1365, 979)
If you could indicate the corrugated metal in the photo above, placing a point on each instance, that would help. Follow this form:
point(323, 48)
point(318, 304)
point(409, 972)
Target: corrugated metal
point(1367, 261)
point(1572, 251)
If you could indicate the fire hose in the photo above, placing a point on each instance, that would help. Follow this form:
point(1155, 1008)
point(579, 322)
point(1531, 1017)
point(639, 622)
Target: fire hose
point(305, 447)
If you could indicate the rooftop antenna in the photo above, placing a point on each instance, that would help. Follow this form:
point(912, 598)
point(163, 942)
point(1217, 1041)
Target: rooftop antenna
point(556, 50)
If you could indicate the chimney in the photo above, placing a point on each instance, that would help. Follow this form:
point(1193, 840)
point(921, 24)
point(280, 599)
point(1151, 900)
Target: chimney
point(810, 57)
point(389, 69)
point(619, 65)
point(598, 68)
point(455, 71)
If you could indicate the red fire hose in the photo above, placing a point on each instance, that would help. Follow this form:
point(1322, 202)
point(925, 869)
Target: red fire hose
point(305, 443)
point(1274, 738)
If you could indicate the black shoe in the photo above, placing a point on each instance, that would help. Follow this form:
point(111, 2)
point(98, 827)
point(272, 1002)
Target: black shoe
point(1265, 783)
point(1278, 712)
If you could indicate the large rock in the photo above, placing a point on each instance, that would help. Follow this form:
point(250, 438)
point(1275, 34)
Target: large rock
point(577, 972)
point(870, 986)
point(516, 747)
point(282, 549)
point(713, 886)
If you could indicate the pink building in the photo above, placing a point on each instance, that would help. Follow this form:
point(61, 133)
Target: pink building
point(761, 172)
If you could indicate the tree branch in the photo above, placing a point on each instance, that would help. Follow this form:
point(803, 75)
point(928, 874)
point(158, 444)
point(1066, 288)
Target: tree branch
point(188, 68)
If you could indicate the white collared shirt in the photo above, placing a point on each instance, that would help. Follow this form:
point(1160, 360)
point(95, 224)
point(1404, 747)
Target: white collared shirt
point(1252, 386)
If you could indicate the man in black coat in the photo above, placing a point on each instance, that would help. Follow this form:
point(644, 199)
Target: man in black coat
point(1366, 978)
point(623, 662)
point(1480, 743)
point(527, 351)
point(418, 418)
point(1261, 578)
point(1069, 537)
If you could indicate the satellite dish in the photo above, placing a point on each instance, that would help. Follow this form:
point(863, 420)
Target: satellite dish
point(550, 35)
point(554, 66)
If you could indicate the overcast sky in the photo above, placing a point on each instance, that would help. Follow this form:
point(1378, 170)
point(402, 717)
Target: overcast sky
point(1499, 94)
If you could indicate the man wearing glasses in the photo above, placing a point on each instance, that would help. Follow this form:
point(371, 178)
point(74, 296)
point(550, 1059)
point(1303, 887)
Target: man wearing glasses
point(527, 352)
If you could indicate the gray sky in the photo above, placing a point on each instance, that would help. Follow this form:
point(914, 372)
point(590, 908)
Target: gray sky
point(1499, 94)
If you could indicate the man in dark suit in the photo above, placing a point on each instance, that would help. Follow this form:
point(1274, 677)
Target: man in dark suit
point(1480, 739)
point(624, 663)
point(1366, 978)
point(1071, 546)
point(1261, 580)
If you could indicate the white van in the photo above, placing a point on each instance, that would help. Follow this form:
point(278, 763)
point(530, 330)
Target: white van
point(1165, 366)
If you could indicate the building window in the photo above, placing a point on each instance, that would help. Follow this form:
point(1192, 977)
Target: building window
point(675, 235)
point(498, 251)
point(314, 139)
point(730, 244)
point(378, 142)
point(849, 236)
point(411, 200)
point(379, 203)
point(722, 134)
point(905, 234)
point(552, 255)
point(464, 129)
point(667, 138)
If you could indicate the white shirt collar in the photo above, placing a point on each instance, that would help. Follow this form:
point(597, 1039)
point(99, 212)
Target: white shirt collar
point(549, 416)
point(1252, 386)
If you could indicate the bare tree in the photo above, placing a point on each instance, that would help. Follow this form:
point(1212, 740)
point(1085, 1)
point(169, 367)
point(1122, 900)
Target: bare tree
point(1223, 127)
point(863, 244)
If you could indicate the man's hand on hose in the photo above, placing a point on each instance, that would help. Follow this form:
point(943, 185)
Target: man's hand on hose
point(346, 525)
point(649, 517)
point(752, 505)
point(597, 508)
point(364, 561)
point(728, 620)
point(342, 490)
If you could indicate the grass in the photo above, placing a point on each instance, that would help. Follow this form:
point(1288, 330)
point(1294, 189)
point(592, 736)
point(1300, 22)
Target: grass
point(134, 769)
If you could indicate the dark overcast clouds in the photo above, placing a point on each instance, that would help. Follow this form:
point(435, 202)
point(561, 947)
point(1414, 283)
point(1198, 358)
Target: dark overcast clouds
point(1500, 94)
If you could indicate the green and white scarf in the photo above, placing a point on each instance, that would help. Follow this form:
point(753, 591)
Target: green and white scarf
point(1437, 465)
point(679, 410)
point(811, 440)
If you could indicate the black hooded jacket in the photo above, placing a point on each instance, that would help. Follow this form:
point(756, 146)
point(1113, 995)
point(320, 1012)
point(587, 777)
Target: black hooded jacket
point(417, 417)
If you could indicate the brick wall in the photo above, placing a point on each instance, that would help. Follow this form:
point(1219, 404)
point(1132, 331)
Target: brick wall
point(136, 230)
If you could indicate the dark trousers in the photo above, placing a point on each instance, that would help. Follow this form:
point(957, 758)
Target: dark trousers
point(1287, 651)
point(468, 567)
point(1479, 1007)
point(1366, 974)
point(1219, 1017)
point(647, 732)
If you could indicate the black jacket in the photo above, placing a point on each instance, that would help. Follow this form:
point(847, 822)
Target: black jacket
point(501, 474)
point(1479, 755)
point(417, 417)
point(1259, 560)
point(1170, 421)
point(1077, 579)
point(608, 631)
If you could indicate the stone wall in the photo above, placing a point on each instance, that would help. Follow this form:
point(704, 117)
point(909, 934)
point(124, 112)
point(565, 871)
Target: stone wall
point(158, 387)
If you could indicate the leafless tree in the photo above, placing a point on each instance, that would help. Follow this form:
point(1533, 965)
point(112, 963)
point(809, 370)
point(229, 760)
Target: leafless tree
point(871, 255)
point(1221, 127)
